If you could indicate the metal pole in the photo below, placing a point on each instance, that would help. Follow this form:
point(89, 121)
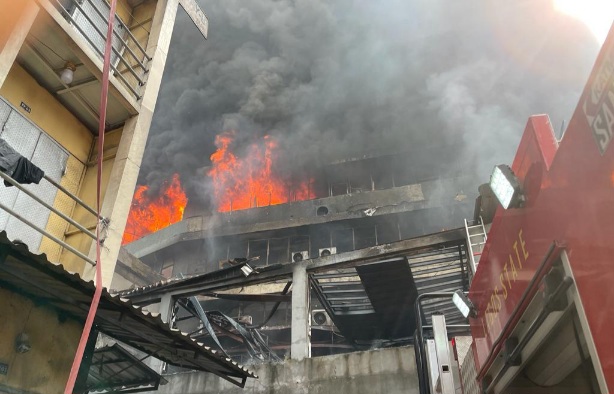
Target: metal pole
point(69, 194)
point(46, 234)
point(131, 36)
point(52, 209)
point(421, 363)
point(76, 3)
point(120, 38)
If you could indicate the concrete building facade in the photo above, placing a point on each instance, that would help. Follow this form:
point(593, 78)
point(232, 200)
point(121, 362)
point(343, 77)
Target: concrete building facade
point(53, 121)
point(51, 61)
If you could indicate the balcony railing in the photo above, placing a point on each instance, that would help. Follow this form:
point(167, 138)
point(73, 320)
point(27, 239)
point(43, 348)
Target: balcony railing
point(54, 210)
point(128, 59)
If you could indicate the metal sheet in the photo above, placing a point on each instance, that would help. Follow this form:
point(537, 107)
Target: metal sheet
point(114, 369)
point(36, 278)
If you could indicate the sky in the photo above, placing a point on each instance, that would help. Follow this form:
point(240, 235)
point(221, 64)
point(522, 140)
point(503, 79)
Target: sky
point(336, 79)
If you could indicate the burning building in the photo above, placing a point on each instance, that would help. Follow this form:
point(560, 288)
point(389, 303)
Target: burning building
point(315, 233)
point(338, 210)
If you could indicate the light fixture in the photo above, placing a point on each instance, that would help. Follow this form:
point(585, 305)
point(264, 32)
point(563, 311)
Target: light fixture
point(464, 304)
point(68, 72)
point(247, 270)
point(506, 187)
point(22, 343)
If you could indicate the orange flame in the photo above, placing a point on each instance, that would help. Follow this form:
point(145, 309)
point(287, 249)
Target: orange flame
point(148, 215)
point(247, 183)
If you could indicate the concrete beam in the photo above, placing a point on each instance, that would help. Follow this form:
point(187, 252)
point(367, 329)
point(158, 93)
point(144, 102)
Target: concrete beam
point(134, 270)
point(126, 166)
point(300, 344)
point(352, 206)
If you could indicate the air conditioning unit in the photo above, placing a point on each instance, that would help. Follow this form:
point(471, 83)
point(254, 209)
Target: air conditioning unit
point(300, 256)
point(327, 251)
point(320, 318)
point(245, 319)
point(225, 264)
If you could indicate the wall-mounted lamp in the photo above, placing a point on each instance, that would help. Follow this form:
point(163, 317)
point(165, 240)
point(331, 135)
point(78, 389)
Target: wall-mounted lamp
point(68, 72)
point(22, 343)
point(247, 270)
point(506, 187)
point(464, 304)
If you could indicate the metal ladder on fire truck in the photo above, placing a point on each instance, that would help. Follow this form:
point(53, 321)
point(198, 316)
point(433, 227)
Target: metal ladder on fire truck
point(476, 239)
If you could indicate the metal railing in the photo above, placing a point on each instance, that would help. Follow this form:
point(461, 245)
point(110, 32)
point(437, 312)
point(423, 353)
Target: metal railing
point(140, 60)
point(62, 215)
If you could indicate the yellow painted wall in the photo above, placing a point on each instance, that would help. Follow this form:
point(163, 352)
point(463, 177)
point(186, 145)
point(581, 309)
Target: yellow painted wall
point(45, 368)
point(47, 112)
point(52, 117)
point(141, 13)
point(124, 11)
point(88, 195)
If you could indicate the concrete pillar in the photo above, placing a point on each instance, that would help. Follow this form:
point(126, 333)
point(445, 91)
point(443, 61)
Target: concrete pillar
point(127, 163)
point(16, 19)
point(300, 347)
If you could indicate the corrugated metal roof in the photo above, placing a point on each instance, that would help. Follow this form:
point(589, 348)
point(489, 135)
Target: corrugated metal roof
point(35, 277)
point(114, 369)
point(376, 300)
point(167, 284)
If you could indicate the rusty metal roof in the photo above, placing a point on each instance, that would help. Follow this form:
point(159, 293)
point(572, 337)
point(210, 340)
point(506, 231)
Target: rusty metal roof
point(35, 277)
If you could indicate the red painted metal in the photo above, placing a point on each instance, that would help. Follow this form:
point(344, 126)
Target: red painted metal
point(89, 321)
point(570, 201)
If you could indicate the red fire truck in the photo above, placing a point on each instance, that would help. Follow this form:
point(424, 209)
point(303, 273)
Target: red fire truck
point(542, 298)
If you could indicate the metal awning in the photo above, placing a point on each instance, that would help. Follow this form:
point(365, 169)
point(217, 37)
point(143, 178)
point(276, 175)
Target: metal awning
point(35, 277)
point(376, 300)
point(114, 369)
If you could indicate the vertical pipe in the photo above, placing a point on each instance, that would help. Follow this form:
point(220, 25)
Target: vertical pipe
point(89, 322)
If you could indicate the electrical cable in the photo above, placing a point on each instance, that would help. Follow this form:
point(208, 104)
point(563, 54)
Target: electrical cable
point(104, 91)
point(284, 292)
point(48, 47)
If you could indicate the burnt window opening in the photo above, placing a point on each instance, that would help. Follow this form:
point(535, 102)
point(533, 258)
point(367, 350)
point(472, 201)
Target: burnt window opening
point(387, 232)
point(365, 237)
point(237, 250)
point(343, 239)
point(258, 248)
point(278, 250)
point(339, 189)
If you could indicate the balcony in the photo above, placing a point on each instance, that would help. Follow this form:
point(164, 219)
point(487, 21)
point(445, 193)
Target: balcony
point(74, 31)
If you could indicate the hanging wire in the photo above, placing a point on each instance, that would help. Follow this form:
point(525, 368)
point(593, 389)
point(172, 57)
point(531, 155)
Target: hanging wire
point(48, 47)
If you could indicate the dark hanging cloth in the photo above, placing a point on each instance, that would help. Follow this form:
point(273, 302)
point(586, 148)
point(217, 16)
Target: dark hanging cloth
point(8, 158)
point(26, 172)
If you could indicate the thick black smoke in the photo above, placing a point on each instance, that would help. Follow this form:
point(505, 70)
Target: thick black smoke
point(333, 79)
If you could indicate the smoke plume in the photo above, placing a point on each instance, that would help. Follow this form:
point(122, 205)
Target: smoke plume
point(333, 79)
